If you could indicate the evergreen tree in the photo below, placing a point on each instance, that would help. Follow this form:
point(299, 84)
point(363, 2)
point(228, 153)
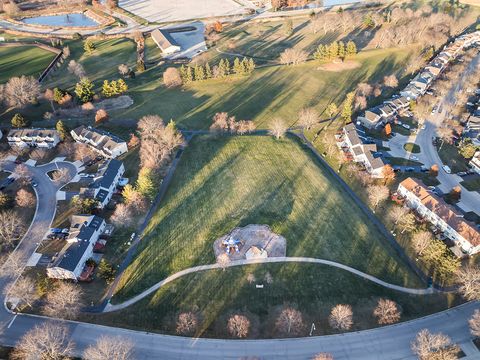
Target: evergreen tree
point(347, 109)
point(189, 74)
point(145, 184)
point(183, 74)
point(199, 73)
point(208, 71)
point(238, 67)
point(351, 49)
point(289, 28)
point(58, 95)
point(89, 46)
point(19, 121)
point(321, 53)
point(333, 50)
point(222, 72)
point(84, 90)
point(251, 65)
point(368, 21)
point(107, 90)
point(62, 130)
point(227, 67)
point(122, 86)
point(341, 50)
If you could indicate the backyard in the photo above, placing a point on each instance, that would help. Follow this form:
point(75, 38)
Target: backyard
point(225, 182)
point(23, 60)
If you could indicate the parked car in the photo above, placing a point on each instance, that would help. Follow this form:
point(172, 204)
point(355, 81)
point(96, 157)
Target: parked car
point(84, 175)
point(432, 188)
point(462, 173)
point(423, 169)
point(447, 169)
point(409, 169)
point(17, 161)
point(423, 127)
point(65, 231)
point(406, 126)
point(34, 184)
point(99, 158)
point(413, 157)
point(429, 92)
point(55, 230)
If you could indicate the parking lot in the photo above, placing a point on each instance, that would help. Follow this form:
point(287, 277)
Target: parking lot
point(181, 10)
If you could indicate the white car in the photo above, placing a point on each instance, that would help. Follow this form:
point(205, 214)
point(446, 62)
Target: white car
point(413, 157)
point(423, 126)
point(447, 169)
point(406, 126)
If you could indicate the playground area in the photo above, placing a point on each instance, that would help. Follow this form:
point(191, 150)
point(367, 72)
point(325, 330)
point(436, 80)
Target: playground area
point(250, 242)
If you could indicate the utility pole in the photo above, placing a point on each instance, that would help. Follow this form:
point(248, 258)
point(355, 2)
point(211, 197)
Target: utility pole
point(312, 329)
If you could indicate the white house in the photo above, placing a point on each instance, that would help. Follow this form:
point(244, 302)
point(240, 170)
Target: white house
point(463, 233)
point(85, 230)
point(42, 138)
point(165, 41)
point(105, 183)
point(103, 142)
point(371, 119)
point(475, 162)
point(362, 153)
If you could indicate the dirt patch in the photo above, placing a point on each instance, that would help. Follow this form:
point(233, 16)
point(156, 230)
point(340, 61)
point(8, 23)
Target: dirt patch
point(118, 103)
point(251, 240)
point(339, 66)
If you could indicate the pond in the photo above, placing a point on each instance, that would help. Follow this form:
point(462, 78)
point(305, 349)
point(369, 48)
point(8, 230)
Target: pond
point(72, 20)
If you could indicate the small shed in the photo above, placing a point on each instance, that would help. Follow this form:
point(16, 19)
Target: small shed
point(165, 41)
point(256, 253)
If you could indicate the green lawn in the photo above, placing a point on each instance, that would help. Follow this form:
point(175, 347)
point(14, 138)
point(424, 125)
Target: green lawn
point(472, 184)
point(23, 60)
point(225, 182)
point(451, 157)
point(314, 289)
point(411, 147)
point(270, 91)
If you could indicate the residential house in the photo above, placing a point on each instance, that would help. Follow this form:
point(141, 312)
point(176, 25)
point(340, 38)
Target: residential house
point(399, 103)
point(105, 183)
point(101, 141)
point(165, 41)
point(475, 162)
point(410, 92)
point(435, 67)
point(387, 112)
point(42, 138)
point(371, 118)
point(472, 130)
point(85, 231)
point(432, 208)
point(362, 153)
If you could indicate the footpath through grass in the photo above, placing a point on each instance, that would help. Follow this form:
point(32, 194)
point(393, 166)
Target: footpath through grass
point(313, 289)
point(23, 60)
point(225, 182)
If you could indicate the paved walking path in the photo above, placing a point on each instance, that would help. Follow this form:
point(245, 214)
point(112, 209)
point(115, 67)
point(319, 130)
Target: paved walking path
point(280, 259)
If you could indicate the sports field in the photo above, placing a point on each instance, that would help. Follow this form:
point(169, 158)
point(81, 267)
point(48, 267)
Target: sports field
point(23, 60)
point(221, 183)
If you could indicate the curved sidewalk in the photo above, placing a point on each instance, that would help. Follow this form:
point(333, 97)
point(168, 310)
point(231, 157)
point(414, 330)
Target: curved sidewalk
point(110, 307)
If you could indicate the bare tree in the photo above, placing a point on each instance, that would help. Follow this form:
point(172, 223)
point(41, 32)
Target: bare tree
point(13, 265)
point(110, 347)
point(323, 356)
point(268, 277)
point(123, 69)
point(46, 341)
point(220, 122)
point(11, 227)
point(65, 300)
point(21, 91)
point(360, 102)
point(24, 198)
point(421, 240)
point(377, 194)
point(23, 172)
point(407, 222)
point(187, 323)
point(290, 322)
point(390, 81)
point(238, 326)
point(469, 280)
point(171, 77)
point(433, 346)
point(293, 57)
point(21, 292)
point(223, 260)
point(278, 128)
point(308, 117)
point(122, 216)
point(474, 323)
point(365, 89)
point(76, 69)
point(446, 134)
point(387, 312)
point(101, 116)
point(11, 8)
point(341, 317)
point(60, 176)
point(251, 278)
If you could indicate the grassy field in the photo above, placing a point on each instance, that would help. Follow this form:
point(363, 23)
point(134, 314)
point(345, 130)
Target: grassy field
point(277, 91)
point(222, 183)
point(312, 288)
point(472, 184)
point(412, 147)
point(451, 157)
point(23, 60)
